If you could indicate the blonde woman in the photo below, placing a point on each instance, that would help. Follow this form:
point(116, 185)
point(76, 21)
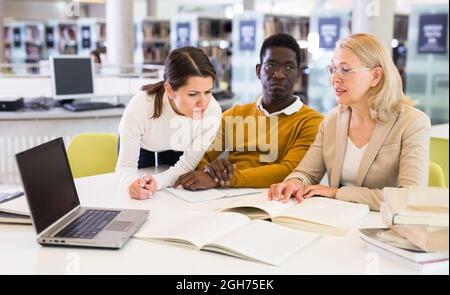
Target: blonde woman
point(375, 138)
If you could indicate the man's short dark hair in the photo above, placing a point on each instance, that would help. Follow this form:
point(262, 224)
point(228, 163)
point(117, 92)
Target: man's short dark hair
point(280, 40)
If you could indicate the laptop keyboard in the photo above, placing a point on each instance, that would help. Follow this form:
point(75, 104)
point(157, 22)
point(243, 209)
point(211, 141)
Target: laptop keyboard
point(88, 224)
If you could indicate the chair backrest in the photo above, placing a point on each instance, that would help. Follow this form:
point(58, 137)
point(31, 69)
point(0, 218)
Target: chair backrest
point(439, 154)
point(92, 154)
point(436, 176)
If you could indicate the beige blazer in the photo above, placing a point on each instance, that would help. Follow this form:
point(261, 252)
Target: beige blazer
point(397, 155)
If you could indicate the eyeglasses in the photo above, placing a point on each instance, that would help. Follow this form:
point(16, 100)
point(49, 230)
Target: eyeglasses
point(342, 72)
point(272, 67)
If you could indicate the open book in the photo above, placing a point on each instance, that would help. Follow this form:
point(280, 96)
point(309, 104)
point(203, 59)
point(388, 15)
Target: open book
point(210, 194)
point(322, 215)
point(232, 234)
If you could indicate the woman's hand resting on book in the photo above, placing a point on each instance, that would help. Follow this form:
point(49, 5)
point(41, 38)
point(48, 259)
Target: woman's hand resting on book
point(294, 188)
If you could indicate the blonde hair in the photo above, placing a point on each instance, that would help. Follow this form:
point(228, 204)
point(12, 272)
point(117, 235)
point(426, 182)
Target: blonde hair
point(387, 97)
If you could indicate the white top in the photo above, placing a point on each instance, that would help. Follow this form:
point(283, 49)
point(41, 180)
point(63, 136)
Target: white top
point(289, 110)
point(170, 131)
point(350, 166)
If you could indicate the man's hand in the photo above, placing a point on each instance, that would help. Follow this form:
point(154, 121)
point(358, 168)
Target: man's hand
point(196, 180)
point(221, 171)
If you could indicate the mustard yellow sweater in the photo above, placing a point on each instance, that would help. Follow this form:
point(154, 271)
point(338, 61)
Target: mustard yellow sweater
point(268, 156)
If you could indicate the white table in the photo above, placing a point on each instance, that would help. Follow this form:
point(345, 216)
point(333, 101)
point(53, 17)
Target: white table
point(20, 253)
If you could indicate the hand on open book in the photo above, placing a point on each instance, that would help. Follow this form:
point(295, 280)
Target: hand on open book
point(196, 180)
point(318, 190)
point(283, 191)
point(220, 170)
point(294, 188)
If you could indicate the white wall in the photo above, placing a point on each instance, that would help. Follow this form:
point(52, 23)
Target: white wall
point(34, 10)
point(95, 10)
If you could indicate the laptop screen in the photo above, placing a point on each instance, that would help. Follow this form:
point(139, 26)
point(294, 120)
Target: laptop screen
point(48, 182)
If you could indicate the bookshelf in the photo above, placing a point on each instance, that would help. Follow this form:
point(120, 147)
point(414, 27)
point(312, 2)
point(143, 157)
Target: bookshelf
point(7, 34)
point(258, 26)
point(152, 41)
point(427, 70)
point(321, 46)
point(399, 51)
point(61, 37)
point(91, 35)
point(298, 27)
point(213, 36)
point(26, 44)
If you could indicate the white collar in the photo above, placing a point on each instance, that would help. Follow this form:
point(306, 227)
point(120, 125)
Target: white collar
point(289, 110)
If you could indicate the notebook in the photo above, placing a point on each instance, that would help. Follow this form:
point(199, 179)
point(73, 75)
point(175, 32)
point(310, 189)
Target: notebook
point(394, 246)
point(428, 238)
point(428, 198)
point(14, 218)
point(321, 215)
point(210, 194)
point(15, 210)
point(395, 210)
point(424, 267)
point(231, 234)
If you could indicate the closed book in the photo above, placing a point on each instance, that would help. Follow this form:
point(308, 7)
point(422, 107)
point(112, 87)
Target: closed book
point(396, 211)
point(14, 218)
point(423, 267)
point(428, 238)
point(428, 198)
point(389, 240)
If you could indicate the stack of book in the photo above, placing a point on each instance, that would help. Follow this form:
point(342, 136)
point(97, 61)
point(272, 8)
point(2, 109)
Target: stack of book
point(14, 208)
point(418, 223)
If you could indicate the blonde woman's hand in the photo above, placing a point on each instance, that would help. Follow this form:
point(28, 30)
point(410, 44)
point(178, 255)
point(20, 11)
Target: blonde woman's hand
point(283, 191)
point(318, 191)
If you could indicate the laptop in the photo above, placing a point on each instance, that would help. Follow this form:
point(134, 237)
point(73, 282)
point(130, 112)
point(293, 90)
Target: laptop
point(55, 207)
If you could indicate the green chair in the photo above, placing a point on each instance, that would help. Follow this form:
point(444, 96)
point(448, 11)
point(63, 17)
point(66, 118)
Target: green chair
point(436, 176)
point(439, 154)
point(93, 153)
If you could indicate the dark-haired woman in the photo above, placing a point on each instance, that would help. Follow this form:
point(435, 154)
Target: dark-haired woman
point(176, 114)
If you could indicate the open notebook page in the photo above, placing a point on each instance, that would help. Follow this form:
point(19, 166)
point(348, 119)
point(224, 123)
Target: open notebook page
point(262, 241)
point(16, 206)
point(331, 212)
point(247, 206)
point(197, 228)
point(209, 194)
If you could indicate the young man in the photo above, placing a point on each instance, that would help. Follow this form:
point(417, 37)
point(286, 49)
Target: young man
point(266, 139)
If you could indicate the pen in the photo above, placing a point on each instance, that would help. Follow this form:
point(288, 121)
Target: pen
point(143, 178)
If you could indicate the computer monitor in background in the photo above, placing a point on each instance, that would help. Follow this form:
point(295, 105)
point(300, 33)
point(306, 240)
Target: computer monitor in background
point(72, 77)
